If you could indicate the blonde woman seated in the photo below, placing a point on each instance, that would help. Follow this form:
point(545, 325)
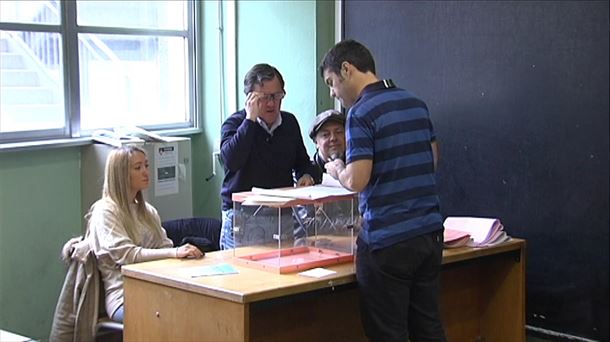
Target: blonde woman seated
point(124, 228)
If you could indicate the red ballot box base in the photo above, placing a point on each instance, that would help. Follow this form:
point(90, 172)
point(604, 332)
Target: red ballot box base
point(295, 259)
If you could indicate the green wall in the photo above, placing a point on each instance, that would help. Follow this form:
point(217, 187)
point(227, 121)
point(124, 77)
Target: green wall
point(267, 34)
point(206, 198)
point(325, 39)
point(40, 190)
point(39, 211)
point(290, 35)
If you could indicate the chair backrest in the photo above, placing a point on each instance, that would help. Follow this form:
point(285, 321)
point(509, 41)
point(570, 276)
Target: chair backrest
point(203, 232)
point(106, 330)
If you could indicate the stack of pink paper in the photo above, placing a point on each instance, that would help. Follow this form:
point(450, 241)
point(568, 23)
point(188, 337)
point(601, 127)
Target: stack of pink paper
point(482, 232)
point(455, 238)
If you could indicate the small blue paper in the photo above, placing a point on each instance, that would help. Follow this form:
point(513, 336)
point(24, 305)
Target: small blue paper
point(218, 269)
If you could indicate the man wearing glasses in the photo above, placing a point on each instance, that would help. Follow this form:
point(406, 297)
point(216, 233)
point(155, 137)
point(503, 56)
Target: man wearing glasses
point(261, 145)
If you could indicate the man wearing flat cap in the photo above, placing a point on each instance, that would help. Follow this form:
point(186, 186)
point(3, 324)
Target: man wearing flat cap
point(328, 133)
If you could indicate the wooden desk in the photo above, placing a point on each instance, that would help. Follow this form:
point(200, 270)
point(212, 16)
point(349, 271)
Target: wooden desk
point(483, 298)
point(483, 293)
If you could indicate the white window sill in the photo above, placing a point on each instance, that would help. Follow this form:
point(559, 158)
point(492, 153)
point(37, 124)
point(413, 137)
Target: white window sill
point(59, 143)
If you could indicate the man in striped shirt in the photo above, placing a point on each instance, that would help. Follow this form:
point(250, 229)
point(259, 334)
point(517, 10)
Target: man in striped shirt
point(391, 159)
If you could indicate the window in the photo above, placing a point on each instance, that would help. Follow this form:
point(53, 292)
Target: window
point(71, 67)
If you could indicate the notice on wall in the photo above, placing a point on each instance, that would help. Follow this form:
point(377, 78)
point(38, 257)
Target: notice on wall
point(166, 169)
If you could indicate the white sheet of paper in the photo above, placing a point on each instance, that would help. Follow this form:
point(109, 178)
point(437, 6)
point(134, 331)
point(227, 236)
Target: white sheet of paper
point(263, 199)
point(317, 272)
point(328, 180)
point(305, 192)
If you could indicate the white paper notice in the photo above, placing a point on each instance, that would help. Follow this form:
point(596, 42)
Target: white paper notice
point(317, 273)
point(166, 169)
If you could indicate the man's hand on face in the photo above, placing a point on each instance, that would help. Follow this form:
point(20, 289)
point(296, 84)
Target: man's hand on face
point(254, 105)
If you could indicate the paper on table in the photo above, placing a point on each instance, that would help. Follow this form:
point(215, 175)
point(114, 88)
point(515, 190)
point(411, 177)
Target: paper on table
point(328, 180)
point(218, 269)
point(265, 199)
point(317, 272)
point(481, 229)
point(455, 238)
point(305, 192)
point(500, 238)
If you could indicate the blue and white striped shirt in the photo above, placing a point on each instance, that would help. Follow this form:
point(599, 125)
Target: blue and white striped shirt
point(391, 127)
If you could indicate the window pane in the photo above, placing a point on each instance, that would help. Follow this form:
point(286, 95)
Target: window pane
point(133, 14)
point(132, 80)
point(30, 12)
point(31, 86)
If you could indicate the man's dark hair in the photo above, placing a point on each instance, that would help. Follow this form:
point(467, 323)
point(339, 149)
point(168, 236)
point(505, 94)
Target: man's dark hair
point(259, 73)
point(349, 51)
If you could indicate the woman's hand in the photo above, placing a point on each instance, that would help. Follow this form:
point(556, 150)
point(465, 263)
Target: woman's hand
point(305, 180)
point(188, 251)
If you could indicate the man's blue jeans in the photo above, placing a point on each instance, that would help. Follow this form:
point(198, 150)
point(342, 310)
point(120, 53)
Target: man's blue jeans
point(226, 232)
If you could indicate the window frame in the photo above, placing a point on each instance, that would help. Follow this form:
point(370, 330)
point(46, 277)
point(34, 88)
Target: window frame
point(69, 30)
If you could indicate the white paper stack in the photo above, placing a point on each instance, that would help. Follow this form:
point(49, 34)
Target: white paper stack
point(312, 192)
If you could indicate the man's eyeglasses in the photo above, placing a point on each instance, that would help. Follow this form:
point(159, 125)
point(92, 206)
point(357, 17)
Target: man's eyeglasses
point(272, 97)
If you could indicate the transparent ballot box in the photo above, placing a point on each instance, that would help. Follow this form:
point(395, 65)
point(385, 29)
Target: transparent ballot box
point(291, 230)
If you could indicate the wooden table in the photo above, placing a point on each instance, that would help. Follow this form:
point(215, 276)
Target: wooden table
point(483, 298)
point(483, 293)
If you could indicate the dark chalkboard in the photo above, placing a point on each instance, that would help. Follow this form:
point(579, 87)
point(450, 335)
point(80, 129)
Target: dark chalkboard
point(518, 93)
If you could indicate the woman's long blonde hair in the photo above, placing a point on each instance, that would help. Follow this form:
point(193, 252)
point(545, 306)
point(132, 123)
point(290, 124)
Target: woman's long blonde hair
point(117, 192)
